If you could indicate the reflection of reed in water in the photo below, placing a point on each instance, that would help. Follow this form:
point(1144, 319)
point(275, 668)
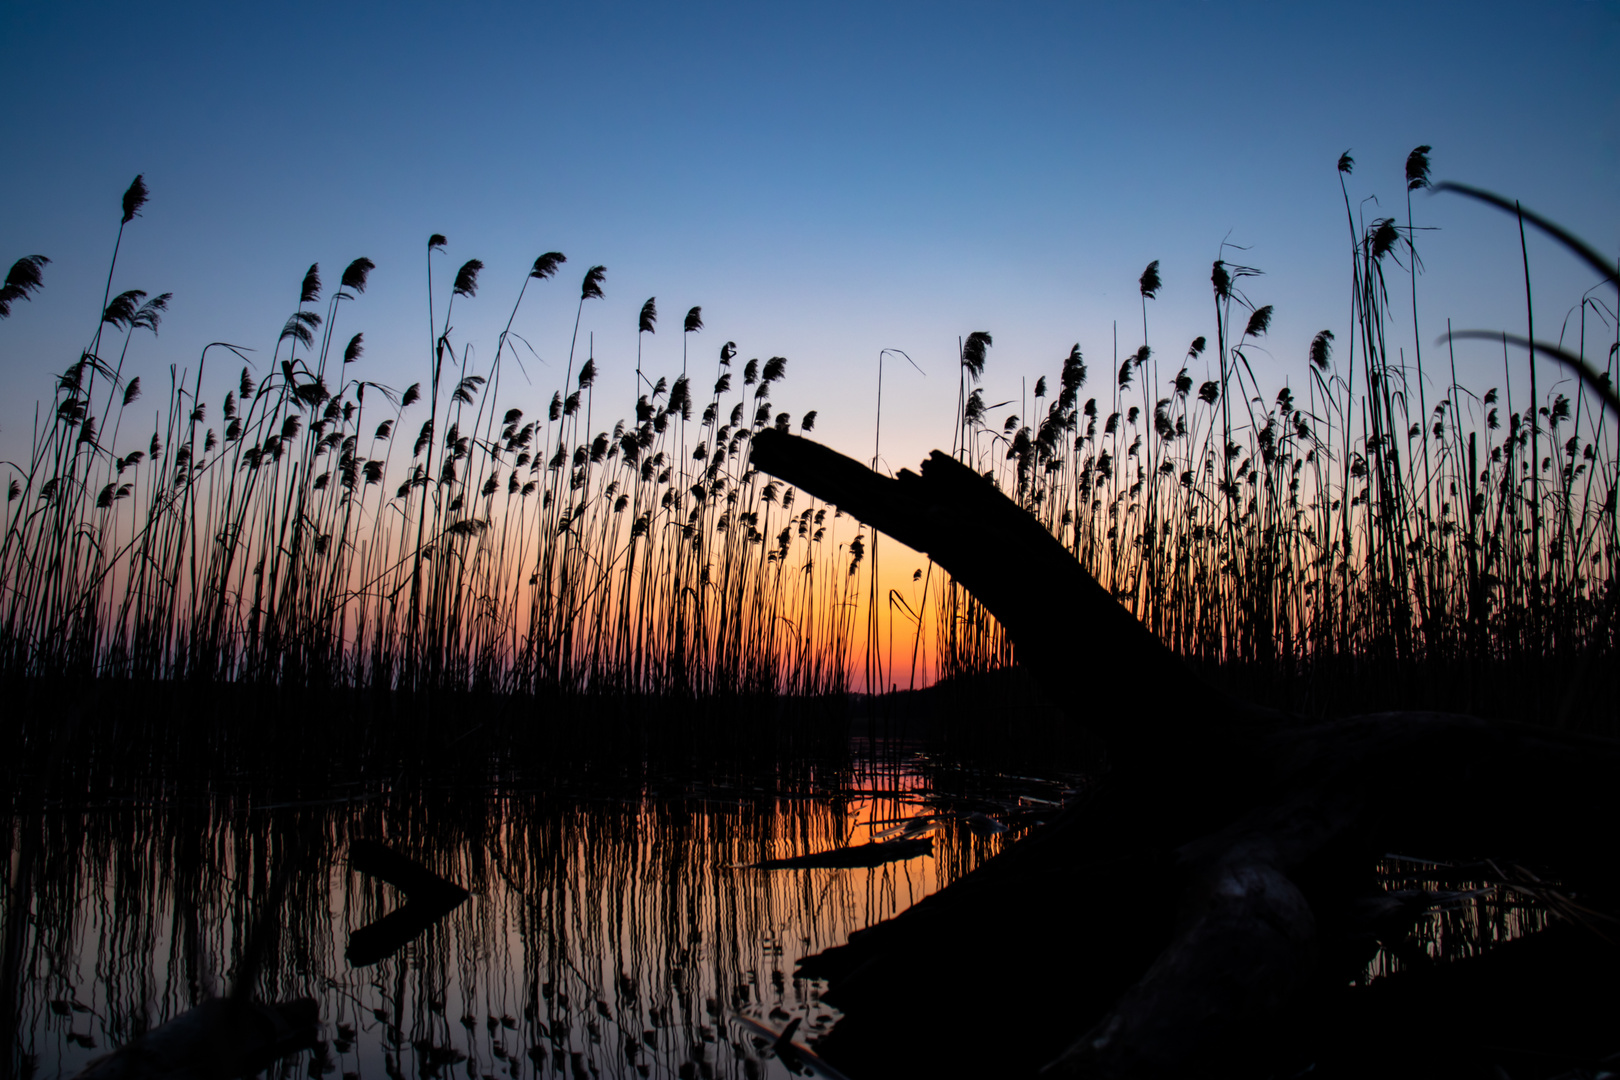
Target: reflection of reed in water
point(606, 936)
point(1464, 909)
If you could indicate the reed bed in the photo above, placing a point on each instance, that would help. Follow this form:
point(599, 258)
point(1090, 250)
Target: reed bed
point(1372, 532)
point(323, 529)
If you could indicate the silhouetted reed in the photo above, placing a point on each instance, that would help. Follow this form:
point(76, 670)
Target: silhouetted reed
point(1338, 542)
point(23, 280)
point(292, 542)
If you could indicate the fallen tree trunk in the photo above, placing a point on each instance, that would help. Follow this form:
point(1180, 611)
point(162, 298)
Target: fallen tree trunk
point(1219, 887)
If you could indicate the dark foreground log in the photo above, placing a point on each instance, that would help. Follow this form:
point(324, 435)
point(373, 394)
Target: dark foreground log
point(218, 1039)
point(1206, 906)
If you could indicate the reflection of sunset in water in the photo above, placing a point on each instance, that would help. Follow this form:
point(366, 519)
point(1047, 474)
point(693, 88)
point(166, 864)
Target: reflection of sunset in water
point(621, 936)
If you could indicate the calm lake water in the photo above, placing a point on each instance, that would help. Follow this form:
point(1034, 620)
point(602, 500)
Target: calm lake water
point(614, 929)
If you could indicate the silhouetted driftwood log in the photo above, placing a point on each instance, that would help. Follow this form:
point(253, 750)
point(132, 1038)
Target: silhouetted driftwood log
point(1206, 906)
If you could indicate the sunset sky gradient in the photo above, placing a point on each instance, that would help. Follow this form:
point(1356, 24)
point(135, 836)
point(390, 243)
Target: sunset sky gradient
point(826, 180)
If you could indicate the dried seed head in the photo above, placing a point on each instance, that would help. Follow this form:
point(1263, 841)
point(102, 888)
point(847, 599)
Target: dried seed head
point(591, 288)
point(1149, 282)
point(355, 274)
point(1322, 349)
point(1259, 322)
point(1417, 168)
point(973, 353)
point(466, 283)
point(546, 265)
point(135, 198)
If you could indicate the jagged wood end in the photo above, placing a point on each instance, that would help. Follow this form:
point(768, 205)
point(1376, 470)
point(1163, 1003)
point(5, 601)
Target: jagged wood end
point(1061, 621)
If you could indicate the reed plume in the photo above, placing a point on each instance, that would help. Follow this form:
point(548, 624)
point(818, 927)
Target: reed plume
point(22, 281)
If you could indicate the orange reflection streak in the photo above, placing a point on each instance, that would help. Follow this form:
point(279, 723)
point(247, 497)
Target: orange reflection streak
point(617, 933)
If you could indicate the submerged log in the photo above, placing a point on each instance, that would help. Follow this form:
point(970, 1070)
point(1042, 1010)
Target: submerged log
point(218, 1039)
point(858, 855)
point(1218, 888)
point(237, 1035)
point(428, 898)
point(223, 1037)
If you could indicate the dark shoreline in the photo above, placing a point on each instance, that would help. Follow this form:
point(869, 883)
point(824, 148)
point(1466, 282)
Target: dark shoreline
point(107, 733)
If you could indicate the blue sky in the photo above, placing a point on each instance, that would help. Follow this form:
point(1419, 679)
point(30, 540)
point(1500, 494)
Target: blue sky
point(825, 180)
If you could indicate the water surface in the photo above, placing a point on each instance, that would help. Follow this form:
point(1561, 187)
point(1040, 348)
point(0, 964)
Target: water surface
point(614, 929)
